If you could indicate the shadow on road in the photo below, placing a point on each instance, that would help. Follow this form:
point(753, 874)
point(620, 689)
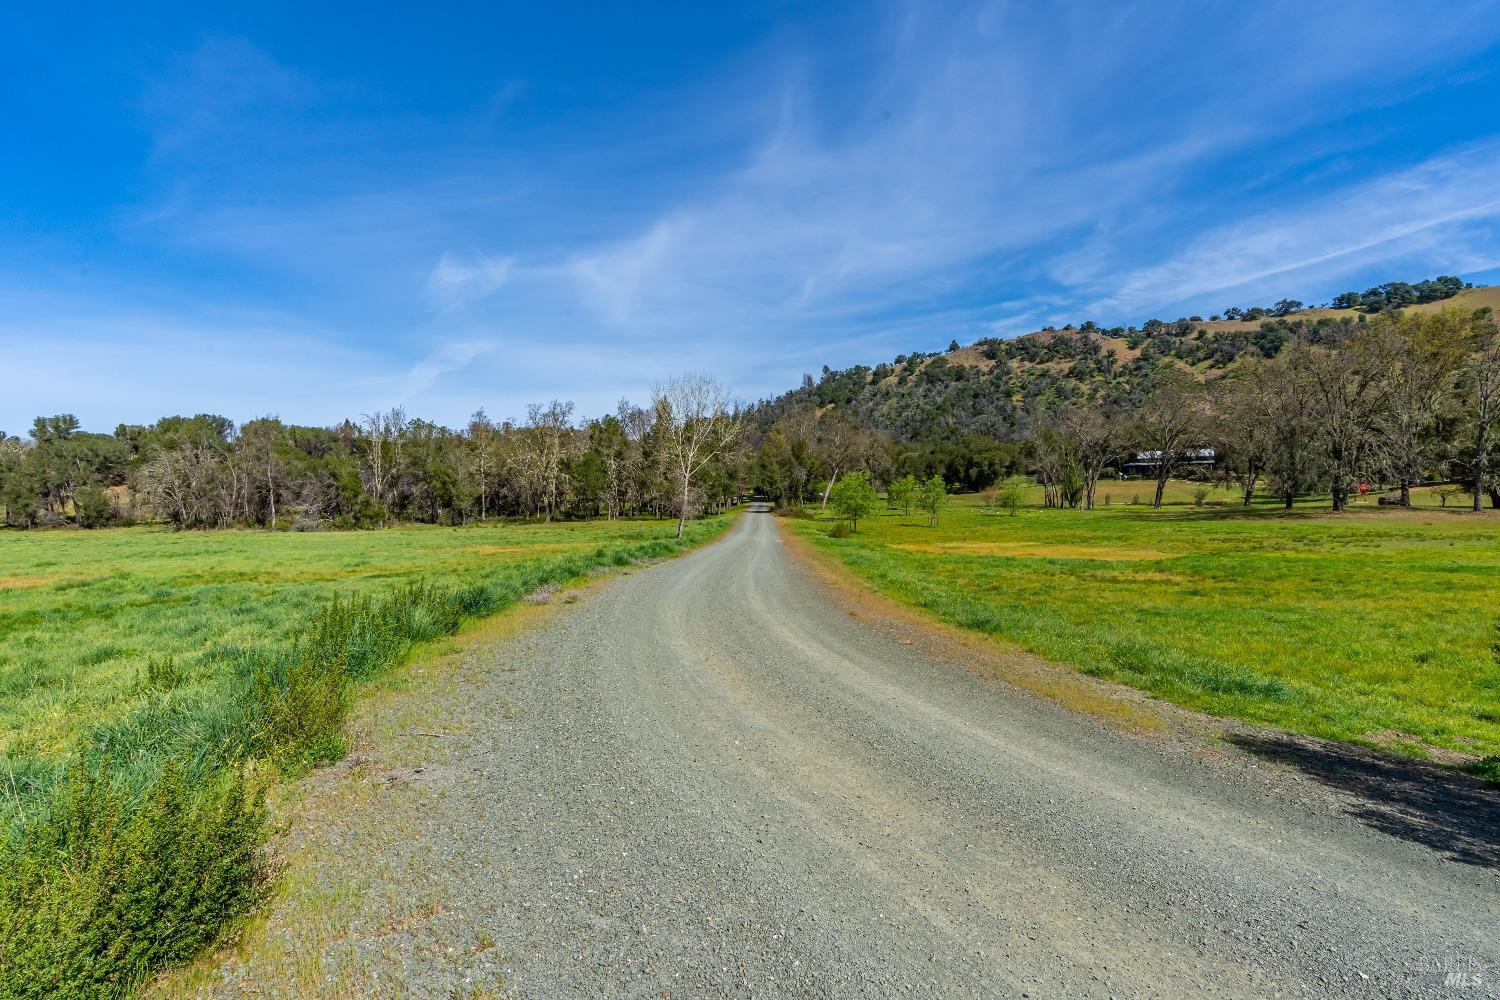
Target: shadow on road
point(1453, 814)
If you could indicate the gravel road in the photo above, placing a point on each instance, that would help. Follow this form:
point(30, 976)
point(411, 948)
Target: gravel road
point(708, 778)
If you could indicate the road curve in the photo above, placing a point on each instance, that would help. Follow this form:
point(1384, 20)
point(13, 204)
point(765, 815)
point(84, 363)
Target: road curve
point(711, 780)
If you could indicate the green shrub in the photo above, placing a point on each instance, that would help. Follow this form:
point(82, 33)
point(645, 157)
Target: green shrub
point(301, 700)
point(107, 887)
point(93, 507)
point(795, 511)
point(841, 529)
point(1486, 767)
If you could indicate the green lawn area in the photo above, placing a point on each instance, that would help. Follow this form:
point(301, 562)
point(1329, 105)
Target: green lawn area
point(1372, 626)
point(83, 612)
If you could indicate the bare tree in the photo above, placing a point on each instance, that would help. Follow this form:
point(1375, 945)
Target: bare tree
point(609, 440)
point(257, 444)
point(546, 443)
point(183, 485)
point(1293, 461)
point(1352, 394)
point(1053, 457)
point(1169, 422)
point(380, 444)
point(1095, 439)
point(696, 425)
point(642, 466)
point(1426, 364)
point(1482, 401)
point(482, 435)
point(1245, 423)
point(840, 443)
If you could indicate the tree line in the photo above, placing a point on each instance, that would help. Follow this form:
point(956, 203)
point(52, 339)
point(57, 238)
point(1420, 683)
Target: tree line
point(1331, 405)
point(677, 456)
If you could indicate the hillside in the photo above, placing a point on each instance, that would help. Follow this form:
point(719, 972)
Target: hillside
point(985, 387)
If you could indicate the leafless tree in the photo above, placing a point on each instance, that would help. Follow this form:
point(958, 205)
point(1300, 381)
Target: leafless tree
point(380, 443)
point(696, 424)
point(546, 442)
point(643, 462)
point(1169, 422)
point(840, 443)
point(183, 486)
point(1095, 439)
point(1352, 391)
point(1427, 360)
point(1052, 456)
point(1244, 423)
point(485, 459)
point(1482, 401)
point(257, 445)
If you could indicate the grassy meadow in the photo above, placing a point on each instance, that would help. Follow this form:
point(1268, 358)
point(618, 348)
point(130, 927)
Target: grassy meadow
point(1374, 626)
point(153, 684)
point(84, 614)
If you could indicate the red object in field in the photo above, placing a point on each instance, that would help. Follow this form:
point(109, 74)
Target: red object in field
point(1364, 488)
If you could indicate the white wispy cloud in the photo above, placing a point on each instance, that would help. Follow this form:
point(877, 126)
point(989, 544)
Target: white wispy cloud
point(1437, 210)
point(457, 281)
point(446, 360)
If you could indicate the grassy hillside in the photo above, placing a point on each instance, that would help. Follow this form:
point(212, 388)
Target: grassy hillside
point(1373, 627)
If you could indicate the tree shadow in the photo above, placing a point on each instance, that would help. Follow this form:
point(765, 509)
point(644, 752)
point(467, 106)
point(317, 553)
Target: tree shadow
point(1454, 814)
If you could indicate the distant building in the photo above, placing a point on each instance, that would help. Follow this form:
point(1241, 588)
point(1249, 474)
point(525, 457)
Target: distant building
point(1144, 463)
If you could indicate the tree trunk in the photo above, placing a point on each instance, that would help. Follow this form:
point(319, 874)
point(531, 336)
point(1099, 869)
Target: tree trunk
point(682, 511)
point(829, 489)
point(1405, 493)
point(1161, 489)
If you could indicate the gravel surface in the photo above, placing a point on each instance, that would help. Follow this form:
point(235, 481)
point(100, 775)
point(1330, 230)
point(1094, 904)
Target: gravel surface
point(708, 778)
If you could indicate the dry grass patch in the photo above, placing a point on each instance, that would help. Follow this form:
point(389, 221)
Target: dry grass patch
point(22, 582)
point(1034, 550)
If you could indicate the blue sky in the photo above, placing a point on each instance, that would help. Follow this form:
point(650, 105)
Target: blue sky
point(320, 214)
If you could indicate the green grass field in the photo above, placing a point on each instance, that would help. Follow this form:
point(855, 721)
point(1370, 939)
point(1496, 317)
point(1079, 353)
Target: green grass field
point(154, 684)
point(1373, 626)
point(82, 613)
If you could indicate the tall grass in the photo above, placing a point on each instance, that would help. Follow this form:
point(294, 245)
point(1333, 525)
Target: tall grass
point(140, 846)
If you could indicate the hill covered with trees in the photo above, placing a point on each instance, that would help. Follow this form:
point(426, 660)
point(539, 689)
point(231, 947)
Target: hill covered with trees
point(1305, 399)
